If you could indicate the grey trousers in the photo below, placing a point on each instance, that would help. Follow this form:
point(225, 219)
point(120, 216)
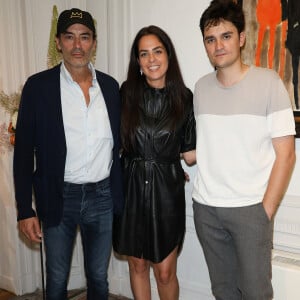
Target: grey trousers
point(237, 244)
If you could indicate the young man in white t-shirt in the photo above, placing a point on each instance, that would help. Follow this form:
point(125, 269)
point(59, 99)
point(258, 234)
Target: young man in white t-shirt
point(245, 156)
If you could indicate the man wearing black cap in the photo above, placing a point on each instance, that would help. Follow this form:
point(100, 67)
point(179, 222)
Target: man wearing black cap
point(68, 124)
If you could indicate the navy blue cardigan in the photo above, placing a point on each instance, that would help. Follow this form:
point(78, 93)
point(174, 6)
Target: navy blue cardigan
point(40, 146)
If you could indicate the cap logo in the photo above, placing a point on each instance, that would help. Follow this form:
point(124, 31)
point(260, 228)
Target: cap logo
point(76, 15)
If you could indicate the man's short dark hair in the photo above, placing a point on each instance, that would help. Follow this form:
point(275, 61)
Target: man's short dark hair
point(223, 10)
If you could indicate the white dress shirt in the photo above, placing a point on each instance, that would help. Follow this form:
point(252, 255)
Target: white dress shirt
point(87, 129)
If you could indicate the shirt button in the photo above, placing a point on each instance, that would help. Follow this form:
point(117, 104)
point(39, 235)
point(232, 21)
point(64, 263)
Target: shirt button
point(146, 182)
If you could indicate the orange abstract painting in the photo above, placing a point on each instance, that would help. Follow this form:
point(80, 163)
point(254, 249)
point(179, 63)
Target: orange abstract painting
point(272, 40)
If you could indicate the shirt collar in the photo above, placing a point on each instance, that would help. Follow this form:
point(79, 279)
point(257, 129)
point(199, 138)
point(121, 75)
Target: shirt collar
point(67, 76)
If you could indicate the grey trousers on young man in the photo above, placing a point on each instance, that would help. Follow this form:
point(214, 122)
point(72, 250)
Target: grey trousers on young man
point(237, 244)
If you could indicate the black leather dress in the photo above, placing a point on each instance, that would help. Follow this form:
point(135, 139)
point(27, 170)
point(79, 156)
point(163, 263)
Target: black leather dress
point(153, 222)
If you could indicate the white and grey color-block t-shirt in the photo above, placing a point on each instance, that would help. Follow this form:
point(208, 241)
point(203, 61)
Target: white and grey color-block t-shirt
point(235, 127)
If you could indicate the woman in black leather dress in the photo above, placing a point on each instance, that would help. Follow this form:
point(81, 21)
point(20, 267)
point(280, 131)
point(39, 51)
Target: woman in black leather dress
point(158, 127)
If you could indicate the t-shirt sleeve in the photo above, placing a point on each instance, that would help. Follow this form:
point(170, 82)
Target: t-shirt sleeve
point(280, 115)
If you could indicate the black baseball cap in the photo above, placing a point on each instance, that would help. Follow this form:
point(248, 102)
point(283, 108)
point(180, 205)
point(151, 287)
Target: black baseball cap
point(74, 16)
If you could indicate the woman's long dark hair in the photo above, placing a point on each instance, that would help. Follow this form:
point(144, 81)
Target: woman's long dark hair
point(132, 89)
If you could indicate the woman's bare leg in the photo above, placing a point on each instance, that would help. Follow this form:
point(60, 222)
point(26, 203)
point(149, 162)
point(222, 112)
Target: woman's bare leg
point(139, 270)
point(166, 278)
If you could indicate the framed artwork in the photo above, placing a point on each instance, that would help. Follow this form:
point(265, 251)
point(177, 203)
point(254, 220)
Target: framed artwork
point(273, 41)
